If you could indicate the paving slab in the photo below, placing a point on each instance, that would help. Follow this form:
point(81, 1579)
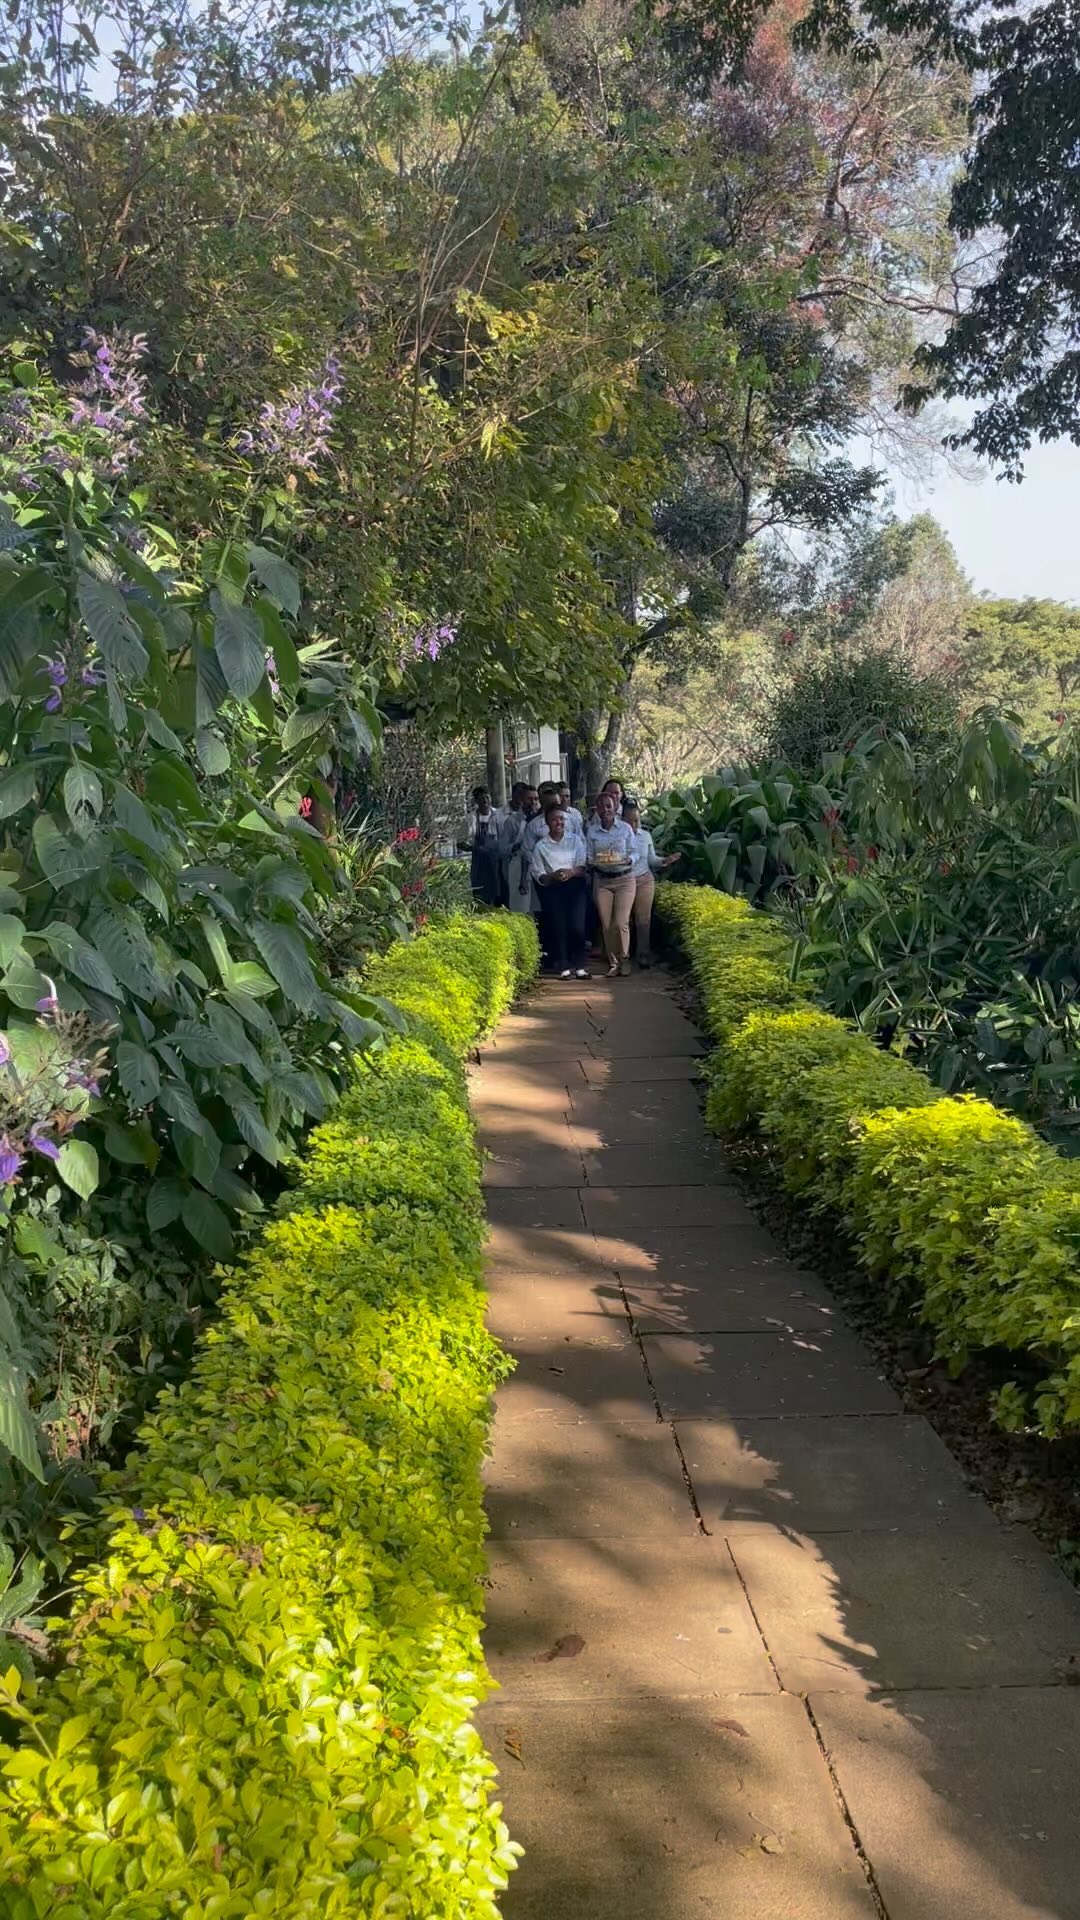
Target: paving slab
point(656, 1254)
point(619, 1617)
point(626, 1069)
point(639, 1113)
point(644, 1043)
point(623, 1210)
point(871, 1612)
point(712, 1810)
point(575, 1475)
point(822, 1371)
point(543, 1167)
point(524, 1131)
point(829, 1474)
point(733, 1300)
point(605, 1377)
point(555, 1310)
point(534, 1252)
point(966, 1802)
point(556, 1208)
point(663, 1164)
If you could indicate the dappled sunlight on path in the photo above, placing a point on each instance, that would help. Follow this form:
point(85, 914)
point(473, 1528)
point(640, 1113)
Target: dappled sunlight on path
point(762, 1654)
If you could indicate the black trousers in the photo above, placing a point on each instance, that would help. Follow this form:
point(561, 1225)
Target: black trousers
point(562, 923)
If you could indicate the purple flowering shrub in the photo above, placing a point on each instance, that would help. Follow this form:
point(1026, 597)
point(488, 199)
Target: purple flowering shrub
point(169, 1025)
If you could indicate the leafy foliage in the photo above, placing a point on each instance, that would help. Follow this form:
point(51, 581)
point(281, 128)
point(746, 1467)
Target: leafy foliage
point(168, 1026)
point(745, 829)
point(963, 1210)
point(951, 918)
point(303, 1558)
point(828, 707)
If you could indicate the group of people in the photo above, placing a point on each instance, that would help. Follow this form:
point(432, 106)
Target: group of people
point(585, 878)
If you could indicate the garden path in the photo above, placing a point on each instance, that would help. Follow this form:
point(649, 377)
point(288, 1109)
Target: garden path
point(763, 1656)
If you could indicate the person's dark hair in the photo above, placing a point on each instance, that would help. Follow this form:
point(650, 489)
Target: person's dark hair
point(519, 787)
point(553, 806)
point(614, 787)
point(480, 793)
point(630, 805)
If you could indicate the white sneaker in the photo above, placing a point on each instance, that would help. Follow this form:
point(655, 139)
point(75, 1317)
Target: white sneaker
point(566, 974)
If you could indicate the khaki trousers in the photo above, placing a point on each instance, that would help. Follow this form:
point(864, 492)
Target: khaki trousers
point(644, 895)
point(614, 905)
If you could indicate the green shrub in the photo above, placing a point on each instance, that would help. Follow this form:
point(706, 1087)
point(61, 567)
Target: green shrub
point(269, 1681)
point(826, 707)
point(961, 1209)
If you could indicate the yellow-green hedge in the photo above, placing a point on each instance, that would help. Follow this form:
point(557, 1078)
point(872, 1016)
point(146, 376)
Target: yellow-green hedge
point(961, 1208)
point(269, 1680)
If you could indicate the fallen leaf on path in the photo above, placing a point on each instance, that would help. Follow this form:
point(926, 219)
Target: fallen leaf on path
point(769, 1842)
point(512, 1743)
point(566, 1648)
point(734, 1726)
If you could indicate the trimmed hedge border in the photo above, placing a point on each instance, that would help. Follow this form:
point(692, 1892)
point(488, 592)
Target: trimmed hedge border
point(271, 1678)
point(971, 1219)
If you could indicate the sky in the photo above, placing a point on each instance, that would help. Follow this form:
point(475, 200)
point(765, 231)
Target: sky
point(1011, 540)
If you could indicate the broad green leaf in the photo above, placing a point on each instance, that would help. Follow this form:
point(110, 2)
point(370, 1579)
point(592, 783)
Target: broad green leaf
point(80, 958)
point(218, 946)
point(11, 938)
point(211, 688)
point(132, 1146)
point(78, 1167)
point(83, 797)
point(111, 627)
point(251, 1122)
point(119, 934)
point(18, 785)
point(24, 984)
point(198, 1153)
point(207, 1224)
point(60, 859)
point(170, 783)
point(288, 959)
point(140, 1075)
point(238, 643)
point(135, 819)
point(161, 734)
point(163, 1204)
point(249, 980)
point(200, 1045)
point(304, 723)
point(17, 1431)
point(279, 579)
point(213, 754)
point(280, 644)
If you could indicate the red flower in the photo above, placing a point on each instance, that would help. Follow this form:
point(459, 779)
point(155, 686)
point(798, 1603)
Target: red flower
point(871, 853)
point(307, 807)
point(830, 816)
point(946, 866)
point(407, 834)
point(852, 864)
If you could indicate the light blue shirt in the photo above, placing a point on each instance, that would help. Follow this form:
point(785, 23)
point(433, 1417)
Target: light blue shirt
point(614, 839)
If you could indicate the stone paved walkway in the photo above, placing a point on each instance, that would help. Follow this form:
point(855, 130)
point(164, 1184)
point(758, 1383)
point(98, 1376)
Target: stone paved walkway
point(763, 1656)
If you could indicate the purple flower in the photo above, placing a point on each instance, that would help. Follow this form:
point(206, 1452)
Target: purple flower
point(41, 1142)
point(57, 674)
point(78, 1076)
point(48, 1005)
point(428, 642)
point(5, 1050)
point(91, 678)
point(112, 398)
point(10, 1160)
point(60, 459)
point(271, 674)
point(293, 431)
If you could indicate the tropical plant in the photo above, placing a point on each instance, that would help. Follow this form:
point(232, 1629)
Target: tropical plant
point(952, 919)
point(746, 830)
